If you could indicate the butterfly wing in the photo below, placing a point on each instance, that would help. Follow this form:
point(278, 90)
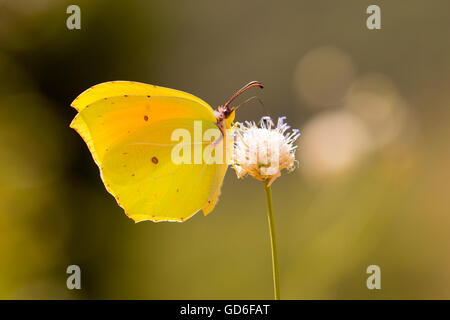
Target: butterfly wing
point(131, 141)
point(141, 173)
point(131, 88)
point(107, 121)
point(127, 89)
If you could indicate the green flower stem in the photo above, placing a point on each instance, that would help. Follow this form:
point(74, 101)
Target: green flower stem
point(273, 241)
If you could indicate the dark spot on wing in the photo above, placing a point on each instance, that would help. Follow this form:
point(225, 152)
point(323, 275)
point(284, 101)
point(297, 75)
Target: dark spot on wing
point(155, 160)
point(146, 118)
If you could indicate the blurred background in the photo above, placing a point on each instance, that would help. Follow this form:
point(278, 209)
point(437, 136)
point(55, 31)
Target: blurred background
point(372, 184)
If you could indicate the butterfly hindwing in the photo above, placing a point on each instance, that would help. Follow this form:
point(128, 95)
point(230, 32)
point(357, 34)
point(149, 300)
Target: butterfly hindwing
point(130, 138)
point(141, 173)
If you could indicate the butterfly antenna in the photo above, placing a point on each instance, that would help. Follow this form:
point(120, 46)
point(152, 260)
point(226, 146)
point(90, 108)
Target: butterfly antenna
point(266, 111)
point(242, 90)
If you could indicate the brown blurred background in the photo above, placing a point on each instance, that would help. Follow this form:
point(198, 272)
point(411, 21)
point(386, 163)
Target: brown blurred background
point(373, 179)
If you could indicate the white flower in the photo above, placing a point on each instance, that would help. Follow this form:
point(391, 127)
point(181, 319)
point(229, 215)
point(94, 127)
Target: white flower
point(263, 151)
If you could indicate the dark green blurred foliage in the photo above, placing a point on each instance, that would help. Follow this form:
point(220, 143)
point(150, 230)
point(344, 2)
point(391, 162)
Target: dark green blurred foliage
point(373, 177)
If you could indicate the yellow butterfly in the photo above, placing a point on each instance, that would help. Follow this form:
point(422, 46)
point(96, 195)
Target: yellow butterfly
point(128, 128)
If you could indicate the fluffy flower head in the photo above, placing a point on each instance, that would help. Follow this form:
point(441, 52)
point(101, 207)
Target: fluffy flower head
point(263, 151)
